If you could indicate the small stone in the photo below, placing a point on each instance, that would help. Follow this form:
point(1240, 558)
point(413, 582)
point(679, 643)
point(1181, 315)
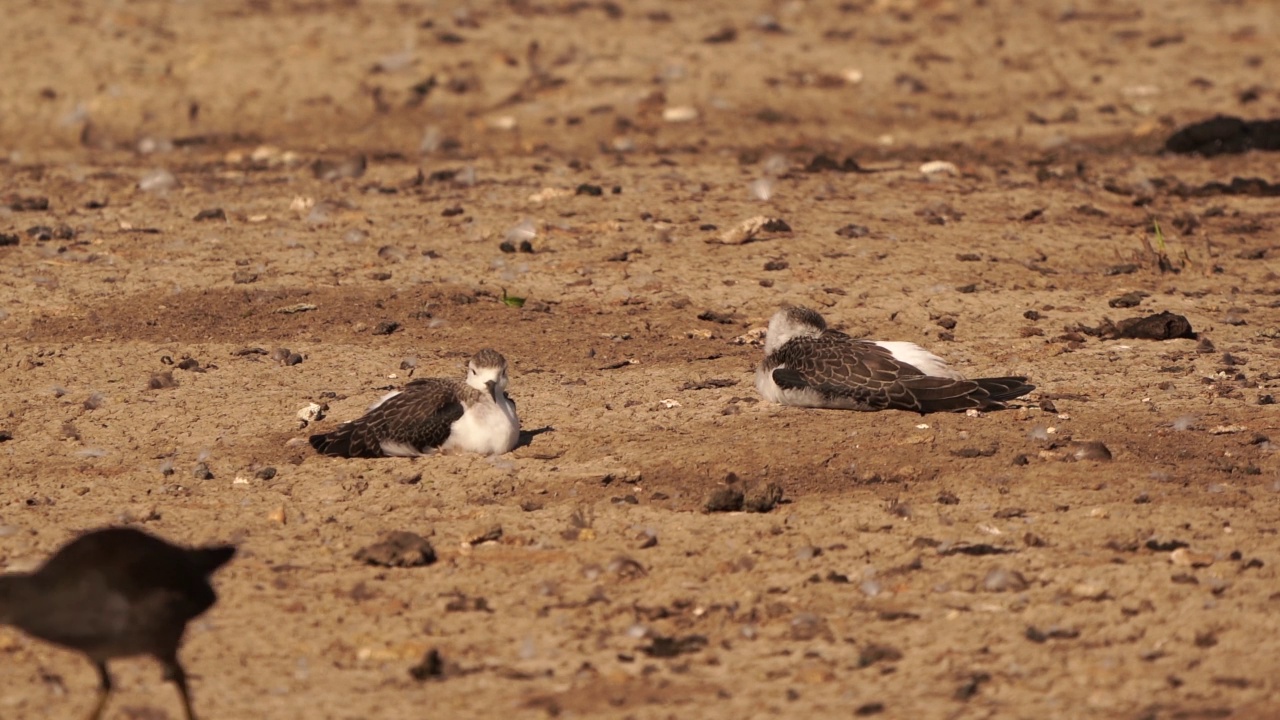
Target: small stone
point(648, 539)
point(202, 472)
point(211, 214)
point(725, 499)
point(430, 668)
point(162, 381)
point(1089, 591)
point(763, 498)
point(265, 473)
point(1184, 557)
point(808, 552)
point(1092, 450)
point(277, 515)
point(312, 412)
point(398, 549)
point(386, 327)
point(1002, 580)
point(490, 534)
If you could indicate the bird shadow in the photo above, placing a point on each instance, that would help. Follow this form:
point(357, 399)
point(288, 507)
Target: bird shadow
point(527, 436)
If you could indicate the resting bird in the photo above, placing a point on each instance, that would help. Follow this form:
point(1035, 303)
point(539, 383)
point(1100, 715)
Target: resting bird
point(113, 593)
point(807, 365)
point(475, 415)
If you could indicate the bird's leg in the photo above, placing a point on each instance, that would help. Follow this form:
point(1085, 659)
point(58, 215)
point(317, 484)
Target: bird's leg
point(173, 671)
point(104, 689)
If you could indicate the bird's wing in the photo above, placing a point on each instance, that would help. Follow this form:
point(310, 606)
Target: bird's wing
point(842, 369)
point(418, 418)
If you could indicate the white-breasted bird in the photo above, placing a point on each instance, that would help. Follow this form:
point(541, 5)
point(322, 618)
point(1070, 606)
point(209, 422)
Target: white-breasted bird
point(473, 415)
point(808, 365)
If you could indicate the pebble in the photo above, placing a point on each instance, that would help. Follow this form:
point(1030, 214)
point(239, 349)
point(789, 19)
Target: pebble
point(1186, 558)
point(1089, 591)
point(157, 181)
point(680, 114)
point(398, 548)
point(937, 168)
point(312, 412)
point(1003, 580)
point(764, 498)
point(748, 229)
point(725, 499)
point(1092, 450)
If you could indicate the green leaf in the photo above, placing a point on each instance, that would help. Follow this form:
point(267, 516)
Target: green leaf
point(1159, 235)
point(511, 300)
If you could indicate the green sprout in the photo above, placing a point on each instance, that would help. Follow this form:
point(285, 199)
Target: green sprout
point(511, 300)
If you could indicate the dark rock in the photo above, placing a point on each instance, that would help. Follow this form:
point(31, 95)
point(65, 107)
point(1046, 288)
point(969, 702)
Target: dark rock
point(763, 498)
point(1161, 326)
point(1225, 135)
point(669, 647)
point(398, 549)
point(162, 381)
point(1127, 300)
point(725, 499)
point(17, 203)
point(872, 654)
point(210, 214)
point(430, 668)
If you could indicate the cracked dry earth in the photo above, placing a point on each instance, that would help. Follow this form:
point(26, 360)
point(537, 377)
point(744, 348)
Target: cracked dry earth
point(947, 566)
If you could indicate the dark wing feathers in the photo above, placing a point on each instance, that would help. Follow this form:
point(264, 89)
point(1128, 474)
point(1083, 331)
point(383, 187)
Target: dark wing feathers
point(844, 370)
point(420, 416)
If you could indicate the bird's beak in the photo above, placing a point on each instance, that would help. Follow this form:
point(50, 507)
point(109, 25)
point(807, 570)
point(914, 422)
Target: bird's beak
point(492, 386)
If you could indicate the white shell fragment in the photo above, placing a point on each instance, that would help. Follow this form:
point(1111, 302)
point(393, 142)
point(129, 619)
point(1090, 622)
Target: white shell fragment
point(157, 181)
point(550, 193)
point(937, 168)
point(1227, 429)
point(748, 229)
point(312, 412)
point(679, 114)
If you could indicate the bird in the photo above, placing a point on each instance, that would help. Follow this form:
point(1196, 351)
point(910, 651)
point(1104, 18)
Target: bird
point(429, 414)
point(808, 365)
point(116, 592)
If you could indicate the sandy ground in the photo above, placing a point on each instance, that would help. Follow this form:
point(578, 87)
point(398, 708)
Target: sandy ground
point(366, 160)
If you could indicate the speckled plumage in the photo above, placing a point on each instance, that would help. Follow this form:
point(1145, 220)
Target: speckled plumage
point(808, 365)
point(433, 413)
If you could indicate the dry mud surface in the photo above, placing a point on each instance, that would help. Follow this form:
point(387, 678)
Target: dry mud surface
point(937, 567)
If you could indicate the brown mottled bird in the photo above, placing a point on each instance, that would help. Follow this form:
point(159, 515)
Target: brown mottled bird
point(806, 364)
point(113, 593)
point(475, 415)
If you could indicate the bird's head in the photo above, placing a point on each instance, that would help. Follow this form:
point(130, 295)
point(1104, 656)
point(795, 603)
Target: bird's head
point(791, 322)
point(487, 371)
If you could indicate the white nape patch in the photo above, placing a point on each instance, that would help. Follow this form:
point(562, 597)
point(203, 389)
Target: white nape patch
point(390, 448)
point(385, 398)
point(783, 329)
point(923, 360)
